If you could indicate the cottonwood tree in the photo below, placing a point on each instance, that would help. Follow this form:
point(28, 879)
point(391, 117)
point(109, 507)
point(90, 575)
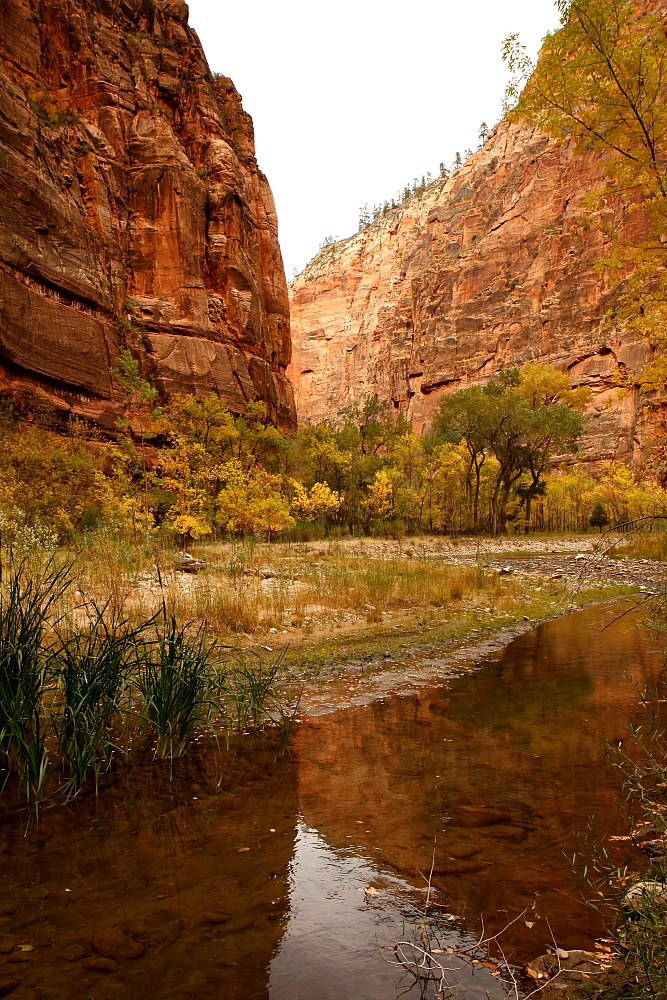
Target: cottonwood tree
point(464, 416)
point(601, 82)
point(520, 419)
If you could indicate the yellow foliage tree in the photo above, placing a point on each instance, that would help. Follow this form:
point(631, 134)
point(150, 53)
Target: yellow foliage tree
point(318, 501)
point(251, 501)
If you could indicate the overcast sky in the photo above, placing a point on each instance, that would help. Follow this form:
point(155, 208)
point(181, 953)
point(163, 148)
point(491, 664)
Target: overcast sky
point(353, 100)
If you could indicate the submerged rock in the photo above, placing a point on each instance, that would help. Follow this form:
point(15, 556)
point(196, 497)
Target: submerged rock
point(73, 953)
point(99, 964)
point(115, 943)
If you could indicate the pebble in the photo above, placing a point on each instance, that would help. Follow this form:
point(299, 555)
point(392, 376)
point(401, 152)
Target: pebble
point(645, 894)
point(217, 918)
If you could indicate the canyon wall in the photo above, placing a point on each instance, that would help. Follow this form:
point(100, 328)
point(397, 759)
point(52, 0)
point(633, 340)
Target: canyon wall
point(491, 268)
point(132, 214)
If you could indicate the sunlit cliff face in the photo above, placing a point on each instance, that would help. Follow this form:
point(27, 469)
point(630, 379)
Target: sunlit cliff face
point(494, 267)
point(133, 215)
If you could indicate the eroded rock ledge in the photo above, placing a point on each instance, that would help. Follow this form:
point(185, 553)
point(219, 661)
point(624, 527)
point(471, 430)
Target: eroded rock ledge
point(132, 213)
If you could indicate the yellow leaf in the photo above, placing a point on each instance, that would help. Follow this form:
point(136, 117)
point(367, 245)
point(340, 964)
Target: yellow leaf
point(26, 947)
point(532, 973)
point(242, 850)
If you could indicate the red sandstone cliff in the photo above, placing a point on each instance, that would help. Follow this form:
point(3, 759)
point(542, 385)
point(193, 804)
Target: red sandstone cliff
point(487, 270)
point(132, 213)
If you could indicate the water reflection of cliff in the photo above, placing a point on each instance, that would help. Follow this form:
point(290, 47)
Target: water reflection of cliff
point(156, 863)
point(502, 767)
point(210, 888)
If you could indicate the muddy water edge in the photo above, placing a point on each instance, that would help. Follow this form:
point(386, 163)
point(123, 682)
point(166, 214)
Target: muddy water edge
point(257, 885)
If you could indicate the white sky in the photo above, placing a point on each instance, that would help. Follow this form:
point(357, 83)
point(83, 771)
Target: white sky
point(354, 99)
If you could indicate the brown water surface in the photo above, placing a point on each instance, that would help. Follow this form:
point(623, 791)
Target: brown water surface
point(255, 889)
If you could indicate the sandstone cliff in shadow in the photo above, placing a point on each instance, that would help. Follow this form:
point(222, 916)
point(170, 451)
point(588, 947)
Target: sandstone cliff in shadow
point(133, 214)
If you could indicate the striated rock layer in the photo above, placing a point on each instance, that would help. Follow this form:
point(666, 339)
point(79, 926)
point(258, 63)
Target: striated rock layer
point(133, 214)
point(494, 267)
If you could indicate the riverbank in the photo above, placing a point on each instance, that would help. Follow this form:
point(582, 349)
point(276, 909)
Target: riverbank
point(357, 619)
point(417, 648)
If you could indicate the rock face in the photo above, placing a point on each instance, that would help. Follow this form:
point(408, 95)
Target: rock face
point(494, 267)
point(133, 214)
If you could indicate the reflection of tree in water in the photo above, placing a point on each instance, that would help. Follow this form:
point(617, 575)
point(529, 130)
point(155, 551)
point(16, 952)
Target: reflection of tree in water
point(520, 690)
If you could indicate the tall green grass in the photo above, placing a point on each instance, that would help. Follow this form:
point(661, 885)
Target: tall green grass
point(93, 670)
point(178, 684)
point(25, 604)
point(81, 695)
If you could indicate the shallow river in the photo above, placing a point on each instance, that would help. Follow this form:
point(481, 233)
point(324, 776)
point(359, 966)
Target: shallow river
point(260, 888)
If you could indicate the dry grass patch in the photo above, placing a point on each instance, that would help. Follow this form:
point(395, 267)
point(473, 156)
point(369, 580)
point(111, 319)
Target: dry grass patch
point(247, 589)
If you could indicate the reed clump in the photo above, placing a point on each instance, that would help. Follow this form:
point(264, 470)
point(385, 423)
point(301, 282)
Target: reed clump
point(84, 692)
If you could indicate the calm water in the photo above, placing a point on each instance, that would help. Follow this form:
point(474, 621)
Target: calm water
point(256, 889)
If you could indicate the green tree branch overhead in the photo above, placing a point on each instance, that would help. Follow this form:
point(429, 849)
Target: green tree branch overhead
point(601, 83)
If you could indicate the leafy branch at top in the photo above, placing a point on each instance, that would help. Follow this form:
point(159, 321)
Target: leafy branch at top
point(601, 83)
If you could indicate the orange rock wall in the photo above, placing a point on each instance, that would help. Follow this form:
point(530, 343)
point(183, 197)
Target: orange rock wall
point(132, 214)
point(494, 267)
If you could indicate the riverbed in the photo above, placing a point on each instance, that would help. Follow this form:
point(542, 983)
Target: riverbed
point(295, 876)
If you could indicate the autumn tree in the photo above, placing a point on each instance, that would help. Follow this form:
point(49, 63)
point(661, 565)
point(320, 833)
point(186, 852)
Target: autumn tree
point(554, 422)
point(464, 416)
point(138, 398)
point(601, 83)
point(521, 419)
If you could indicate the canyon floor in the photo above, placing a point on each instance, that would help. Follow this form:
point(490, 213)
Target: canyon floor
point(353, 620)
point(354, 662)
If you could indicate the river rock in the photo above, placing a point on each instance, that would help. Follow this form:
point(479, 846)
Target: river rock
point(481, 816)
point(7, 945)
point(216, 918)
point(188, 564)
point(511, 834)
point(462, 850)
point(100, 964)
point(456, 867)
point(645, 895)
point(72, 953)
point(654, 848)
point(114, 943)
